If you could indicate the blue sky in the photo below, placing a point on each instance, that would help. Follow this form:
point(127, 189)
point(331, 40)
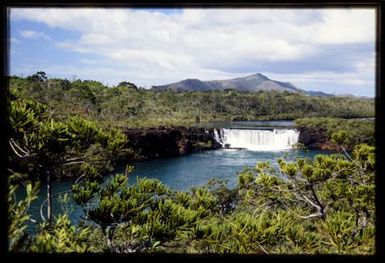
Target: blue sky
point(330, 50)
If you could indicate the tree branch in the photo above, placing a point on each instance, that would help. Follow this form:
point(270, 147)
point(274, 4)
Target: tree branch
point(46, 200)
point(346, 153)
point(26, 152)
point(311, 216)
point(14, 150)
point(313, 204)
point(72, 163)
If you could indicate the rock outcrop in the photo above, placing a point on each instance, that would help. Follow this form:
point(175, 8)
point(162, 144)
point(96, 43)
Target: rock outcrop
point(162, 142)
point(315, 139)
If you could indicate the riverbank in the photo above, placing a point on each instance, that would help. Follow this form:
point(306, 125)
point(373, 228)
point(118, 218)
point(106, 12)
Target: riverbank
point(318, 133)
point(160, 142)
point(314, 134)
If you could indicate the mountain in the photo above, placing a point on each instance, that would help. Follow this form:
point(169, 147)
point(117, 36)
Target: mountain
point(319, 93)
point(254, 82)
point(185, 85)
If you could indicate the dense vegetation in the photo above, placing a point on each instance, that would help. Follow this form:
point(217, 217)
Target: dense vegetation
point(334, 133)
point(129, 106)
point(323, 205)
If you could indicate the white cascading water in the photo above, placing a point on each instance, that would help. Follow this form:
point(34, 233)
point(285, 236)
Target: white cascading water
point(217, 137)
point(258, 140)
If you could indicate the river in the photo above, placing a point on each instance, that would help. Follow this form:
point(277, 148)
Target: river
point(184, 172)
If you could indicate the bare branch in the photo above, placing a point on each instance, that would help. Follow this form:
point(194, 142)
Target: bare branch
point(310, 216)
point(14, 150)
point(75, 159)
point(26, 152)
point(72, 163)
point(313, 204)
point(46, 200)
point(80, 177)
point(41, 210)
point(263, 249)
point(276, 189)
point(346, 153)
point(318, 214)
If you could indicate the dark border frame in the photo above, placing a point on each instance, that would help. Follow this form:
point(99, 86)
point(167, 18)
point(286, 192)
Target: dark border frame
point(379, 121)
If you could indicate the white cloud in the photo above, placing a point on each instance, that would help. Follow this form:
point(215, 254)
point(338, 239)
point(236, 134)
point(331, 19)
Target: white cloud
point(146, 46)
point(345, 26)
point(360, 83)
point(264, 33)
point(31, 34)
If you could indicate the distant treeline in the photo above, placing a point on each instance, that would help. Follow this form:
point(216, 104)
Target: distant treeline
point(127, 105)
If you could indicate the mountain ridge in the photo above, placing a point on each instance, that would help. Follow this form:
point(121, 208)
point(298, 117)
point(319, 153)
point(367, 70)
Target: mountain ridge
point(253, 82)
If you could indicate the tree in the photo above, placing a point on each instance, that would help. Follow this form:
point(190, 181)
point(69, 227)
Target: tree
point(116, 203)
point(65, 84)
point(61, 237)
point(39, 76)
point(321, 188)
point(18, 212)
point(128, 84)
point(51, 146)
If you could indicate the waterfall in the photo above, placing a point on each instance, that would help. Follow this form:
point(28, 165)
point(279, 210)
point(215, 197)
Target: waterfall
point(218, 137)
point(257, 140)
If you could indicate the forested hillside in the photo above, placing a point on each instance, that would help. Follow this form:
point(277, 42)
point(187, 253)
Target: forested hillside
point(62, 129)
point(129, 106)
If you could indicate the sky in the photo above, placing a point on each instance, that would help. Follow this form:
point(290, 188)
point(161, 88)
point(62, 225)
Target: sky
point(330, 50)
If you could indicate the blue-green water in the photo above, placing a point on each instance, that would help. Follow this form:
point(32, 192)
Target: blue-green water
point(181, 173)
point(184, 172)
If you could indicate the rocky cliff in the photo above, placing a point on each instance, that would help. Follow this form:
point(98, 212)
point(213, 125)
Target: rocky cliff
point(166, 142)
point(315, 139)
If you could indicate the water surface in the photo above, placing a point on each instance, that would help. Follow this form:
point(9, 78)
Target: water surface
point(250, 124)
point(194, 170)
point(179, 173)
